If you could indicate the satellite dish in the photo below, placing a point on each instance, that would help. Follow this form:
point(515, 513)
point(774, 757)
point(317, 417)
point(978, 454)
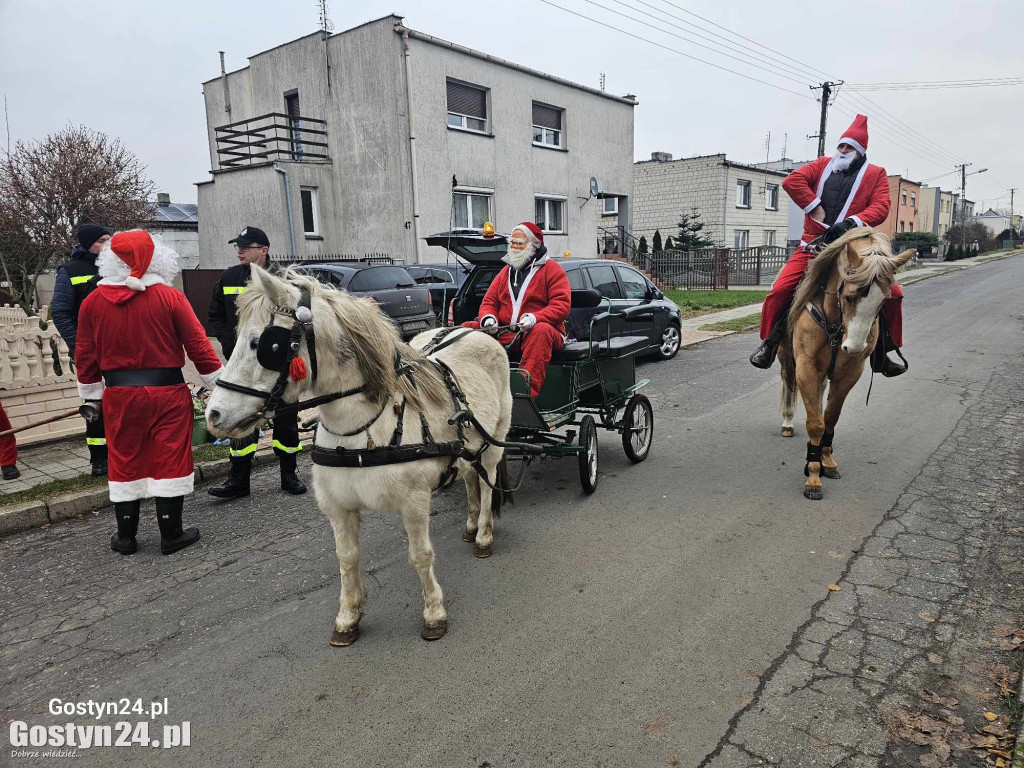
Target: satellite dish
point(593, 186)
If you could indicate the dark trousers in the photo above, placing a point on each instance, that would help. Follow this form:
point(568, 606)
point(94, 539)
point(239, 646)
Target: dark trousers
point(96, 438)
point(286, 439)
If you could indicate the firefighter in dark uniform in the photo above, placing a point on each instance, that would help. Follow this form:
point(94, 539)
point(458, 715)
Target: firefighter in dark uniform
point(75, 281)
point(253, 247)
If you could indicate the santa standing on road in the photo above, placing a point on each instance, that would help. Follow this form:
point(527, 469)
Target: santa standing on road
point(133, 333)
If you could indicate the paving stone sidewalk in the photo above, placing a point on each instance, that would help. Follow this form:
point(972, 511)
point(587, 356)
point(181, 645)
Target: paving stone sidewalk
point(899, 666)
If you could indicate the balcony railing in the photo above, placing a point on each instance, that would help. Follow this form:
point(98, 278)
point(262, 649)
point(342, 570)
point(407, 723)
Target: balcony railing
point(274, 136)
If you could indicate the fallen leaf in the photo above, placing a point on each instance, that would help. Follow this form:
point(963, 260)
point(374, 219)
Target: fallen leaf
point(835, 588)
point(1005, 630)
point(1000, 763)
point(979, 740)
point(656, 728)
point(837, 555)
point(926, 616)
point(673, 760)
point(1019, 529)
point(611, 743)
point(991, 716)
point(934, 658)
point(935, 698)
point(817, 741)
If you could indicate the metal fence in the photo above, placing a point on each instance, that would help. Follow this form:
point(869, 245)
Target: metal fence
point(702, 270)
point(377, 259)
point(756, 266)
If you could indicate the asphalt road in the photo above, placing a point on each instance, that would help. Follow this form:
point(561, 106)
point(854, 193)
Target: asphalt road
point(625, 628)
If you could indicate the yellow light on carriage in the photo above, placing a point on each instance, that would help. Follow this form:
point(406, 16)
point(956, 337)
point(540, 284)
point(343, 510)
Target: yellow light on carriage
point(488, 229)
point(567, 254)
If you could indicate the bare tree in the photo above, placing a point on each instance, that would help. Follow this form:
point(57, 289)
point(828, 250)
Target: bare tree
point(49, 188)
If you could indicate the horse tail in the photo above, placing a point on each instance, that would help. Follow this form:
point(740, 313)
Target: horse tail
point(499, 494)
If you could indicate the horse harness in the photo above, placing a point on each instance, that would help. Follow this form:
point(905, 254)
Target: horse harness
point(834, 331)
point(277, 350)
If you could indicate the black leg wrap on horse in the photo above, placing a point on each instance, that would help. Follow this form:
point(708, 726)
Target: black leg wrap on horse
point(813, 454)
point(826, 439)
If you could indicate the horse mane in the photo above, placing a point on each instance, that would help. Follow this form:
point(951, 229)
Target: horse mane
point(876, 264)
point(362, 332)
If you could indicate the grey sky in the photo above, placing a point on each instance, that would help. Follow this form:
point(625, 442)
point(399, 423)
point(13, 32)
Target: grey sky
point(133, 69)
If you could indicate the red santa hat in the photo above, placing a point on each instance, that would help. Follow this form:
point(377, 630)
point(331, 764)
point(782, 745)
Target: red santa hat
point(857, 134)
point(135, 249)
point(533, 233)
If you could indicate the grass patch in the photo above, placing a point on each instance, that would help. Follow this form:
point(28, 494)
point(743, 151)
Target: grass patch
point(54, 488)
point(697, 303)
point(209, 452)
point(739, 324)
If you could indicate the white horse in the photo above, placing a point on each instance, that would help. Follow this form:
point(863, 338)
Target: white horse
point(358, 348)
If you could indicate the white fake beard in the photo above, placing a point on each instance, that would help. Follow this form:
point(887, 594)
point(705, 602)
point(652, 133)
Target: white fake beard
point(519, 259)
point(841, 162)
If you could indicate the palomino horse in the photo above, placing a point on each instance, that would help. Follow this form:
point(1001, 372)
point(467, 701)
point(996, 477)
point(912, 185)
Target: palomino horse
point(384, 441)
point(833, 324)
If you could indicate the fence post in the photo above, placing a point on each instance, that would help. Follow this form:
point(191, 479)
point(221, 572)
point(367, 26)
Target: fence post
point(757, 280)
point(720, 281)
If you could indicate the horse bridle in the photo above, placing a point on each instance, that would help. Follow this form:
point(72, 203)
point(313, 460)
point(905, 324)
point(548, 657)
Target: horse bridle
point(834, 331)
point(276, 349)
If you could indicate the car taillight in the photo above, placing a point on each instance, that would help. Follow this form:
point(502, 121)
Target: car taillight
point(451, 312)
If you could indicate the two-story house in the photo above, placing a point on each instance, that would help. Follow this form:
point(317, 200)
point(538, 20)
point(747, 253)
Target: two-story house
point(369, 140)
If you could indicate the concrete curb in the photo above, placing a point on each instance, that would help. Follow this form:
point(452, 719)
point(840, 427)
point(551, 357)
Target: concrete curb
point(40, 512)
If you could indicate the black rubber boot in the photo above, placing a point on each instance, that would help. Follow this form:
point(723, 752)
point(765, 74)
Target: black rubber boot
point(168, 517)
point(127, 515)
point(99, 467)
point(11, 472)
point(880, 361)
point(289, 480)
point(237, 484)
point(764, 356)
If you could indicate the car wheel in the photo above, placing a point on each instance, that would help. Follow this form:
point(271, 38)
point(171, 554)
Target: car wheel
point(669, 342)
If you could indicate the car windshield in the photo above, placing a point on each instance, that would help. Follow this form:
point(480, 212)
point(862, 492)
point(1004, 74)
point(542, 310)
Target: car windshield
point(380, 279)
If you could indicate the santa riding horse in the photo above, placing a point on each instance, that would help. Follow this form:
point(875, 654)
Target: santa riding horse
point(836, 194)
point(531, 292)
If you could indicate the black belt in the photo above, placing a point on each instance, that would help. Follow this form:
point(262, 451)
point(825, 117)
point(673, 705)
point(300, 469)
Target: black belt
point(144, 377)
point(379, 457)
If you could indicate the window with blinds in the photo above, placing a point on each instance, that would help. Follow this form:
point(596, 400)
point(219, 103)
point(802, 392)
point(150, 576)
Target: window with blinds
point(547, 125)
point(467, 106)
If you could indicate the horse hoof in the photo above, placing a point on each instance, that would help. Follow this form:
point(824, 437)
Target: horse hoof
point(479, 551)
point(469, 535)
point(341, 638)
point(831, 472)
point(812, 492)
point(788, 431)
point(434, 631)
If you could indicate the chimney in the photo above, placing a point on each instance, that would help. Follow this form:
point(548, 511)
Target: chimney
point(163, 198)
point(661, 157)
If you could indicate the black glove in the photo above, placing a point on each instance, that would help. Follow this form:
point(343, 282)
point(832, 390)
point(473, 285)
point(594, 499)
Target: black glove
point(839, 229)
point(91, 411)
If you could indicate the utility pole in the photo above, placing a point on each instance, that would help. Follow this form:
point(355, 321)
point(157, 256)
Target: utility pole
point(1012, 190)
point(963, 205)
point(826, 93)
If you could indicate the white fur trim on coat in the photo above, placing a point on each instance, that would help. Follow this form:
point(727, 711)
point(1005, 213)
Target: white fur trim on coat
point(92, 391)
point(813, 204)
point(857, 219)
point(148, 486)
point(209, 379)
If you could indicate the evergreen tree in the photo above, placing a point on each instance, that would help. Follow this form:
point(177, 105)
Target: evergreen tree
point(668, 244)
point(642, 248)
point(656, 247)
point(691, 235)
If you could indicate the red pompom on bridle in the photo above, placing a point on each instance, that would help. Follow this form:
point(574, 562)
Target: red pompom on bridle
point(297, 369)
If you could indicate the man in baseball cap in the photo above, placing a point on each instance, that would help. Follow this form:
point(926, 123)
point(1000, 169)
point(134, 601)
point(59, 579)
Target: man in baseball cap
point(252, 246)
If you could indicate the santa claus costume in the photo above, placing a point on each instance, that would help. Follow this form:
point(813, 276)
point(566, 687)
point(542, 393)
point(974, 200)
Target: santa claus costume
point(133, 333)
point(852, 193)
point(533, 292)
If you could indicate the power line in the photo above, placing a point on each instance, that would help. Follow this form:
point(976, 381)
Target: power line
point(992, 82)
point(675, 50)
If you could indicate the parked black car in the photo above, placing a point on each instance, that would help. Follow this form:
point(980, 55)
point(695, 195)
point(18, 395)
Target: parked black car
point(442, 280)
point(392, 287)
point(624, 285)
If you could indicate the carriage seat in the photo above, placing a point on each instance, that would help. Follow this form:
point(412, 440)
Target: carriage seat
point(620, 346)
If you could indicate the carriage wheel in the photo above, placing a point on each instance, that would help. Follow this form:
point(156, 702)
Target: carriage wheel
point(638, 428)
point(588, 454)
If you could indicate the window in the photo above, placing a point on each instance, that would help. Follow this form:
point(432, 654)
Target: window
point(740, 238)
point(609, 205)
point(467, 107)
point(472, 209)
point(310, 211)
point(903, 226)
point(903, 197)
point(913, 199)
point(769, 237)
point(634, 285)
point(547, 125)
point(291, 108)
point(771, 197)
point(550, 215)
point(742, 194)
point(575, 279)
point(604, 282)
point(380, 279)
point(911, 225)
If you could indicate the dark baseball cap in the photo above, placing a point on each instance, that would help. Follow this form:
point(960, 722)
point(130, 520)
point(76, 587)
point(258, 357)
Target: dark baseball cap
point(251, 236)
